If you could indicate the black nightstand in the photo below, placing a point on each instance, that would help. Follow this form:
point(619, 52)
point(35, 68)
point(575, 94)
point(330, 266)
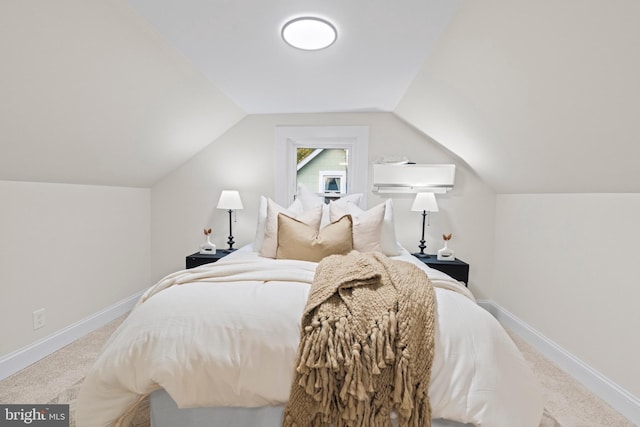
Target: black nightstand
point(198, 259)
point(457, 268)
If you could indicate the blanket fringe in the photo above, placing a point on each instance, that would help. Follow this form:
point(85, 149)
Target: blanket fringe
point(358, 374)
point(329, 348)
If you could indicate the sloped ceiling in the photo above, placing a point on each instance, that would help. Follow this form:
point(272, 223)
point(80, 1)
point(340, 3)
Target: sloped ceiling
point(90, 94)
point(535, 96)
point(237, 44)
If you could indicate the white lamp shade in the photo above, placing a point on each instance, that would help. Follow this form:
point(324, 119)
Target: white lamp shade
point(425, 202)
point(229, 200)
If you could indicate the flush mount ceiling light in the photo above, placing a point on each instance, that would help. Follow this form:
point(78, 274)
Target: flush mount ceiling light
point(309, 33)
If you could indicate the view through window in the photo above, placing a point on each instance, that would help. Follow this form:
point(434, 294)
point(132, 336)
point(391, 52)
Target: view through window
point(330, 161)
point(323, 171)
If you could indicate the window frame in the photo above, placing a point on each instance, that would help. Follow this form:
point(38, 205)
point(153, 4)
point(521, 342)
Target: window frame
point(288, 139)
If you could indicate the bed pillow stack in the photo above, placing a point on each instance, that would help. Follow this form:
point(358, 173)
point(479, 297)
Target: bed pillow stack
point(371, 230)
point(350, 204)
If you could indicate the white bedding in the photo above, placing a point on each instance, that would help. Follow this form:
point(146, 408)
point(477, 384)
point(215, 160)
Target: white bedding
point(226, 334)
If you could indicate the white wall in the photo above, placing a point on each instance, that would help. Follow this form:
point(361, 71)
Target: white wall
point(70, 249)
point(183, 203)
point(567, 264)
point(493, 93)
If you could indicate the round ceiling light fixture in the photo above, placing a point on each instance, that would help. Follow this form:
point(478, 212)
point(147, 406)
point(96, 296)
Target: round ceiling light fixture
point(309, 33)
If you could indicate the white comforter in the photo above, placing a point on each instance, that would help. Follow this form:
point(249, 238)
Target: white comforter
point(226, 334)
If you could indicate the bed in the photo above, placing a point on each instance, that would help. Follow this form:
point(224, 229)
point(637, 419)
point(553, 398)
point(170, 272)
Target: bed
point(216, 345)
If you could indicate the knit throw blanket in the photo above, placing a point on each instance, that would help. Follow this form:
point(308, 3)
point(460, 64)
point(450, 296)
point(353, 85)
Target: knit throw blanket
point(366, 345)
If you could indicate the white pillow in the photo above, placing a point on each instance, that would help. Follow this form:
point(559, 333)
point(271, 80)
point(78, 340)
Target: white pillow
point(341, 202)
point(308, 198)
point(388, 241)
point(295, 208)
point(311, 200)
point(269, 246)
point(367, 225)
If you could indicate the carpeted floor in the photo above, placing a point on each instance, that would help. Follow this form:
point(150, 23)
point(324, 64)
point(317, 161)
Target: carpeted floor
point(57, 379)
point(570, 403)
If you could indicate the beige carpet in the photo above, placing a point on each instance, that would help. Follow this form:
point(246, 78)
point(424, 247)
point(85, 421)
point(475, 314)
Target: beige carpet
point(570, 403)
point(57, 378)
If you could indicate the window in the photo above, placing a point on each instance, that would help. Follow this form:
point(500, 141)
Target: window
point(332, 183)
point(331, 160)
point(323, 170)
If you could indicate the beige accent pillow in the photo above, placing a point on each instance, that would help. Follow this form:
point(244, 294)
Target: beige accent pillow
point(367, 225)
point(270, 242)
point(297, 240)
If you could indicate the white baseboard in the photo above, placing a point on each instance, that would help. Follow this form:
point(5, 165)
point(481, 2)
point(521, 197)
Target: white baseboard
point(21, 358)
point(620, 399)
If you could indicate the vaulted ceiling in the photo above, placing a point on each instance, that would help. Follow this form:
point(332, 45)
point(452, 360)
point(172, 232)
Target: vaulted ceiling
point(381, 46)
point(534, 96)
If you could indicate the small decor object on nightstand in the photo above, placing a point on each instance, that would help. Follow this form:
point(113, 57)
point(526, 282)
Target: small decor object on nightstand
point(208, 247)
point(446, 253)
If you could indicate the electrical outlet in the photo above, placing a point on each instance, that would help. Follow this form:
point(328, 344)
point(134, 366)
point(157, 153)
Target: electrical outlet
point(39, 319)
